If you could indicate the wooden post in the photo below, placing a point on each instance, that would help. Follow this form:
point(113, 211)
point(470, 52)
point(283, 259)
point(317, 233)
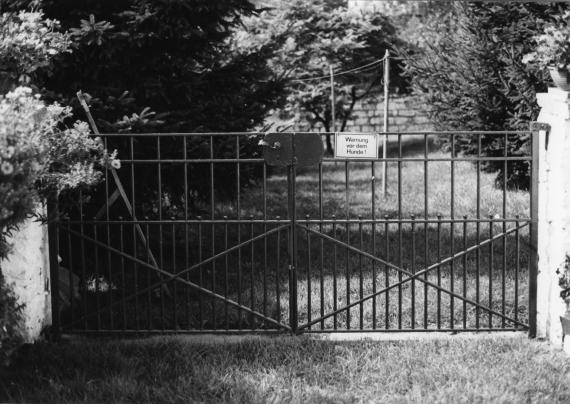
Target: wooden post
point(333, 101)
point(386, 104)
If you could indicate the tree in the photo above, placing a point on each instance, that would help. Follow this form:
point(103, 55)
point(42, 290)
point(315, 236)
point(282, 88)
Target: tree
point(475, 78)
point(164, 66)
point(311, 37)
point(171, 56)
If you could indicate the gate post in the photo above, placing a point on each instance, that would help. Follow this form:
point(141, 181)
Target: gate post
point(53, 237)
point(553, 213)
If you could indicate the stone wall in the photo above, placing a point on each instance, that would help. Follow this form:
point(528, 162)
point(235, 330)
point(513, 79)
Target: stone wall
point(405, 114)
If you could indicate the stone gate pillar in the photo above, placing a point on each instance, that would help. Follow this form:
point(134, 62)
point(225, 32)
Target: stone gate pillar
point(553, 211)
point(27, 270)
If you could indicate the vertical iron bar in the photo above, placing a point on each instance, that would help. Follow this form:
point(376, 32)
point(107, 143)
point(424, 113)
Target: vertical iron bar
point(96, 283)
point(373, 215)
point(160, 234)
point(108, 237)
point(413, 271)
point(251, 276)
point(83, 279)
point(136, 230)
point(452, 231)
point(426, 237)
point(387, 275)
point(347, 256)
point(464, 272)
point(400, 247)
point(491, 259)
point(292, 212)
point(53, 215)
point(322, 246)
point(504, 267)
point(533, 267)
point(186, 235)
point(361, 284)
point(439, 272)
point(200, 276)
point(70, 273)
point(517, 269)
point(264, 190)
point(335, 297)
point(148, 276)
point(238, 210)
point(478, 233)
point(308, 273)
point(174, 284)
point(226, 266)
point(123, 277)
point(277, 277)
point(213, 235)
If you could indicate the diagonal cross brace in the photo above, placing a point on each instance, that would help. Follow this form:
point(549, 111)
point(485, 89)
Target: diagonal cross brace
point(120, 188)
point(412, 276)
point(178, 276)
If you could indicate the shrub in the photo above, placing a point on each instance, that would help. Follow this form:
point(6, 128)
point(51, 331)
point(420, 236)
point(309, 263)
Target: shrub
point(553, 45)
point(39, 157)
point(475, 80)
point(10, 319)
point(28, 42)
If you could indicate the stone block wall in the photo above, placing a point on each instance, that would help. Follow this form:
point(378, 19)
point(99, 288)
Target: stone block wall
point(405, 114)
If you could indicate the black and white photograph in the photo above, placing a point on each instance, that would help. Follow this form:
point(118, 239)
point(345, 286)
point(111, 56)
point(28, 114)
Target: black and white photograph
point(284, 201)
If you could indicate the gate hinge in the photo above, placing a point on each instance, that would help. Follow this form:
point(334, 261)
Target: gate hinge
point(291, 268)
point(540, 126)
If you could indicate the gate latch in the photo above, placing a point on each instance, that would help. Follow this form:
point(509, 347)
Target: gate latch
point(285, 149)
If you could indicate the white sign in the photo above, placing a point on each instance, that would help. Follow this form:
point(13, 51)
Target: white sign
point(361, 146)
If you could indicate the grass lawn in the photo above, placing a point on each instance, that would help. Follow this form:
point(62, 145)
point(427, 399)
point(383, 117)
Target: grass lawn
point(463, 370)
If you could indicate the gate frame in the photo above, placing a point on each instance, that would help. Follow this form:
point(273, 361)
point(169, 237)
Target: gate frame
point(295, 327)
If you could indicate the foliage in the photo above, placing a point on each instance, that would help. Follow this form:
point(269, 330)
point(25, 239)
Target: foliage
point(27, 43)
point(564, 280)
point(308, 39)
point(475, 78)
point(169, 56)
point(553, 46)
point(10, 318)
point(39, 157)
point(163, 66)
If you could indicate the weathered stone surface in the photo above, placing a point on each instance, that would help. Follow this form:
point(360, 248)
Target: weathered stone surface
point(554, 211)
point(27, 270)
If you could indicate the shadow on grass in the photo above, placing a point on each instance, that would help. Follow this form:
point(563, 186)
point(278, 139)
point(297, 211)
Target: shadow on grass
point(167, 370)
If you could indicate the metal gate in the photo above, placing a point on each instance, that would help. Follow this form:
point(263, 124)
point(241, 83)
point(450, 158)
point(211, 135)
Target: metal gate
point(196, 233)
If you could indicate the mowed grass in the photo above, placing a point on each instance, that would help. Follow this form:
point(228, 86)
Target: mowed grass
point(294, 369)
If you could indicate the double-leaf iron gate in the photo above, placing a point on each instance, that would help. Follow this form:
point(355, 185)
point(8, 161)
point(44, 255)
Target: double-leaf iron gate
point(197, 233)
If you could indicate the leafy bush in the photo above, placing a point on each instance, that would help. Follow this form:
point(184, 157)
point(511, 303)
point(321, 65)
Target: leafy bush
point(38, 158)
point(170, 56)
point(28, 42)
point(474, 78)
point(10, 319)
point(553, 45)
point(39, 154)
